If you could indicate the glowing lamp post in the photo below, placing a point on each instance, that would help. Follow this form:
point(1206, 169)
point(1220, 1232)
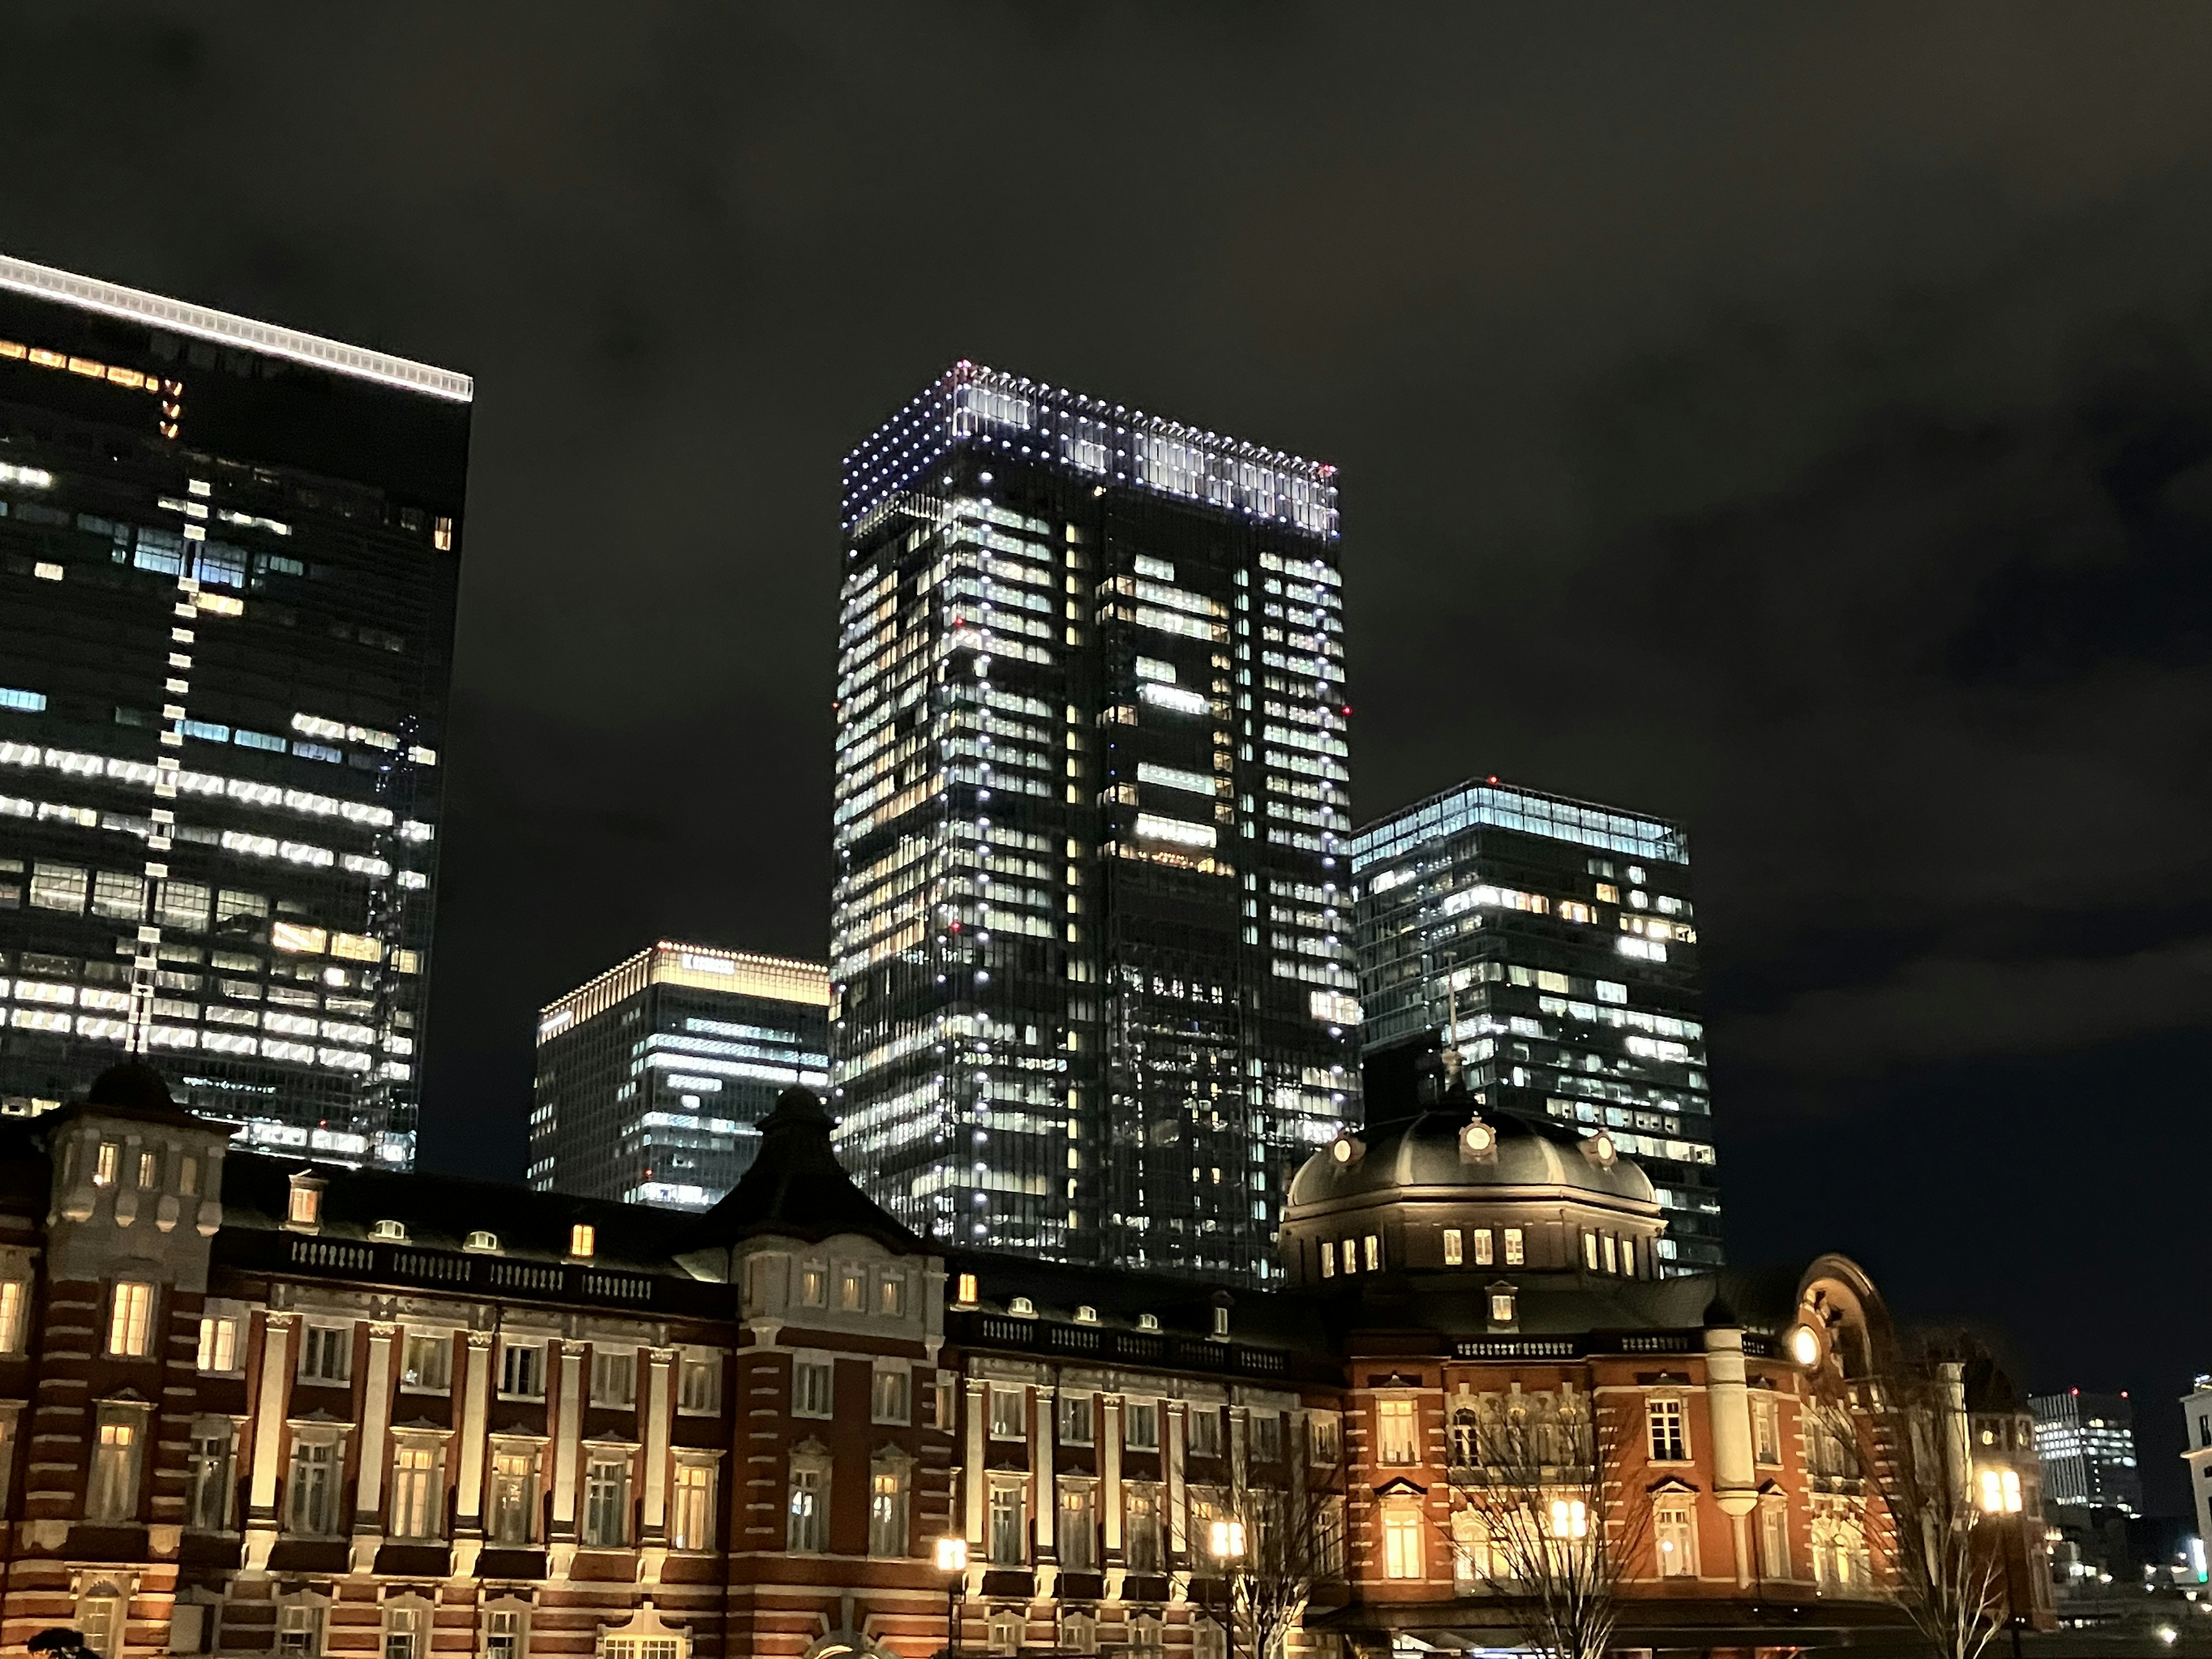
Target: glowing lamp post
point(953, 1562)
point(1225, 1540)
point(1998, 1493)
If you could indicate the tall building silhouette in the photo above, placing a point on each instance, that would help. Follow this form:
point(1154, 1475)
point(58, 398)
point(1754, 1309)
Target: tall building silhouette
point(229, 557)
point(1562, 936)
point(1093, 990)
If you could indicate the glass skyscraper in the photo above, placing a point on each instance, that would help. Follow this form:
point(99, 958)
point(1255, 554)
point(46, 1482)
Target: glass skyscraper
point(2086, 1445)
point(229, 555)
point(1563, 936)
point(653, 1077)
point(1090, 953)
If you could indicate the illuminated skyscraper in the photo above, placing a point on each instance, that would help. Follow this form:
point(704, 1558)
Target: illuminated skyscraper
point(1094, 998)
point(229, 557)
point(1563, 934)
point(653, 1077)
point(2086, 1445)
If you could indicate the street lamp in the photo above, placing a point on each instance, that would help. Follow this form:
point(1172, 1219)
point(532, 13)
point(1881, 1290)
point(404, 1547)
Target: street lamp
point(1999, 1495)
point(1226, 1541)
point(953, 1561)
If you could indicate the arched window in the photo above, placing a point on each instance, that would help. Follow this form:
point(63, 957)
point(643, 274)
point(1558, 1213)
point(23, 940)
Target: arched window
point(1463, 1438)
point(100, 1613)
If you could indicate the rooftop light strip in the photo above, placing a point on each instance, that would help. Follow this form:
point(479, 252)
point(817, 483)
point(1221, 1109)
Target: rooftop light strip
point(202, 322)
point(1503, 806)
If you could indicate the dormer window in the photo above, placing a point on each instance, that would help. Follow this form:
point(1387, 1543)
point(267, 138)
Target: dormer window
point(1148, 1322)
point(583, 1239)
point(304, 1208)
point(1087, 1315)
point(1502, 1300)
point(391, 1232)
point(965, 1294)
point(1021, 1307)
point(481, 1240)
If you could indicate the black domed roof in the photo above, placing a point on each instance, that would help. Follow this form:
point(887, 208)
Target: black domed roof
point(130, 1084)
point(797, 1188)
point(1423, 1155)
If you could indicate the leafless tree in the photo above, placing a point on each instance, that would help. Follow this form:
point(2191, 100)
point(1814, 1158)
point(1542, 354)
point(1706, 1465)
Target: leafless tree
point(1902, 1432)
point(1293, 1541)
point(1540, 1517)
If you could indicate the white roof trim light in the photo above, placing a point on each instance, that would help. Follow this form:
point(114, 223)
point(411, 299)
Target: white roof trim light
point(135, 305)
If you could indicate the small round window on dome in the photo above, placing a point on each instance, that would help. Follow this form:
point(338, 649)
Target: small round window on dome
point(1478, 1139)
point(1347, 1149)
point(1600, 1150)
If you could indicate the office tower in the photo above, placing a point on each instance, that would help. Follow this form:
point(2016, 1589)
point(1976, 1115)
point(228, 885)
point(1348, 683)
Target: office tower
point(2196, 1453)
point(653, 1078)
point(229, 555)
point(2086, 1443)
point(1562, 935)
point(1093, 1002)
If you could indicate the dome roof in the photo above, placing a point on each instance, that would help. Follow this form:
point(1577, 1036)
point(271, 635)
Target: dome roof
point(1423, 1154)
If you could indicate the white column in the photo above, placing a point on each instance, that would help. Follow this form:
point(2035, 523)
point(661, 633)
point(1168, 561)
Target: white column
point(978, 1494)
point(1171, 1466)
point(268, 1440)
point(468, 1498)
point(657, 1405)
point(375, 1416)
point(567, 1449)
point(1728, 1410)
point(1046, 1489)
point(1109, 1464)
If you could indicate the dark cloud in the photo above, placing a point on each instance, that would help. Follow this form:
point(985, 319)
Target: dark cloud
point(1796, 421)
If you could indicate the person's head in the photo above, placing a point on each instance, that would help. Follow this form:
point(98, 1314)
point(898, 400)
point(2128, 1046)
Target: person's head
point(61, 1642)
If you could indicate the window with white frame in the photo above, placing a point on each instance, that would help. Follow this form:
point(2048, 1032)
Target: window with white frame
point(505, 1632)
point(1140, 1425)
point(1140, 1526)
point(300, 1624)
point(606, 1499)
point(1485, 1247)
point(1076, 1532)
point(1148, 1637)
point(1455, 1247)
point(210, 1479)
point(1474, 1566)
point(813, 1387)
point(220, 1350)
point(112, 1492)
point(698, 1385)
point(890, 1394)
point(814, 1285)
point(1008, 1421)
point(614, 1377)
point(1766, 1429)
point(1670, 1433)
point(1675, 1533)
point(1267, 1437)
point(852, 1291)
point(890, 1294)
point(1208, 1640)
point(406, 1624)
point(1466, 1437)
point(1401, 1542)
point(426, 1362)
point(1003, 1635)
point(100, 1612)
point(1204, 1425)
point(312, 1485)
point(806, 1530)
point(1774, 1538)
point(1516, 1247)
point(1396, 1439)
point(522, 1370)
point(326, 1353)
point(131, 1320)
point(691, 1506)
point(14, 1307)
point(1075, 1419)
point(889, 1478)
point(1009, 1516)
point(511, 1514)
point(1078, 1632)
point(1324, 1437)
point(418, 1489)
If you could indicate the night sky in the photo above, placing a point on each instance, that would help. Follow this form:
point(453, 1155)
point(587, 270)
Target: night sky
point(1795, 422)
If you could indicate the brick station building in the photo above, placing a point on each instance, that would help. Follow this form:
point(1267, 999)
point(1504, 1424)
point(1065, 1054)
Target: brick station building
point(252, 1406)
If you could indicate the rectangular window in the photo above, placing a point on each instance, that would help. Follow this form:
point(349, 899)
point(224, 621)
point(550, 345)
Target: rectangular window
point(890, 1295)
point(1672, 1531)
point(1455, 1247)
point(813, 1285)
point(522, 1370)
point(105, 1163)
point(325, 1354)
point(12, 1305)
point(1396, 1441)
point(304, 1208)
point(890, 1399)
point(427, 1362)
point(1485, 1247)
point(1076, 1534)
point(813, 1388)
point(606, 1502)
point(209, 1480)
point(1517, 1248)
point(1370, 1248)
point(313, 1486)
point(1328, 1259)
point(807, 1529)
point(403, 1632)
point(1766, 1429)
point(1350, 1255)
point(118, 897)
point(1075, 1419)
point(111, 1494)
point(1774, 1540)
point(131, 1320)
point(1006, 1415)
point(1205, 1432)
point(1590, 1251)
point(1141, 1431)
point(613, 1378)
point(887, 1508)
point(59, 887)
point(1141, 1539)
point(698, 1385)
point(503, 1635)
point(1401, 1543)
point(218, 1342)
point(691, 1508)
point(1324, 1437)
point(1612, 1254)
point(512, 1514)
point(851, 1291)
point(300, 1631)
point(418, 1494)
point(583, 1239)
point(1670, 1434)
point(1266, 1437)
